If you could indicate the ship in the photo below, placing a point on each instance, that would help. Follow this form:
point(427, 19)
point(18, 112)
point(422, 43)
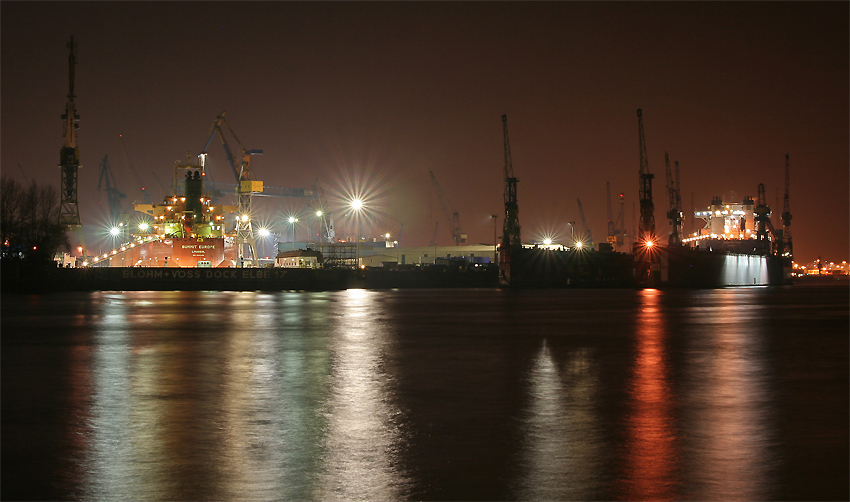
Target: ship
point(736, 246)
point(184, 230)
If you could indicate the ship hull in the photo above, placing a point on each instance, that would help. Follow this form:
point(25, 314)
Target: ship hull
point(684, 267)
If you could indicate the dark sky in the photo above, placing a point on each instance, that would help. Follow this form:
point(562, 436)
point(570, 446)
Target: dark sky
point(379, 93)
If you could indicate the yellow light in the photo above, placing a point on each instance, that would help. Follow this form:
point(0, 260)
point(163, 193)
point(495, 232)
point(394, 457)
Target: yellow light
point(649, 244)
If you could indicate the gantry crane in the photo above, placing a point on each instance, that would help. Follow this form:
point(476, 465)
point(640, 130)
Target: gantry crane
point(246, 188)
point(511, 242)
point(451, 215)
point(787, 245)
point(113, 194)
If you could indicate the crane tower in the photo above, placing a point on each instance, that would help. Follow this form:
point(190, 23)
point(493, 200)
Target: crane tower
point(511, 242)
point(786, 212)
point(647, 262)
point(247, 186)
point(647, 208)
point(69, 163)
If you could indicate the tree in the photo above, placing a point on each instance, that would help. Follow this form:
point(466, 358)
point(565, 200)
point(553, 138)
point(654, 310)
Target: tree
point(29, 215)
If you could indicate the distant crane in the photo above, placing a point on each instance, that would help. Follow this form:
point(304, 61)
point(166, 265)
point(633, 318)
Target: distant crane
point(451, 215)
point(113, 194)
point(147, 197)
point(433, 241)
point(511, 241)
point(326, 217)
point(23, 173)
point(587, 235)
point(788, 246)
point(621, 223)
point(674, 214)
point(647, 263)
point(247, 187)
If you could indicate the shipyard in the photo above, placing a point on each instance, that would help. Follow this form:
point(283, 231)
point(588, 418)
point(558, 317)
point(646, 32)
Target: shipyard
point(425, 251)
point(732, 243)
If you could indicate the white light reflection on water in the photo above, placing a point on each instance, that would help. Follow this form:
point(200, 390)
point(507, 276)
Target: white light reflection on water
point(561, 454)
point(364, 433)
point(728, 435)
point(110, 454)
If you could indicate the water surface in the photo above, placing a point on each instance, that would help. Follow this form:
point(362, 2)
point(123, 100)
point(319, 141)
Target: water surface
point(728, 394)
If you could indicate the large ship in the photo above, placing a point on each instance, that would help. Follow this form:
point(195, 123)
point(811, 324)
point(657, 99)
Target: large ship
point(184, 230)
point(737, 246)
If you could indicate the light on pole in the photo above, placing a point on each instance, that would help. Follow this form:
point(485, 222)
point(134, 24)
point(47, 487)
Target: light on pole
point(357, 207)
point(292, 221)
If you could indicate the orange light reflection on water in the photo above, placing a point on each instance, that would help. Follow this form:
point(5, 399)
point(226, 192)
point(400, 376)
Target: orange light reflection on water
point(651, 449)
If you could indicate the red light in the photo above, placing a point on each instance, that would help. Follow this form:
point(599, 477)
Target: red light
point(649, 244)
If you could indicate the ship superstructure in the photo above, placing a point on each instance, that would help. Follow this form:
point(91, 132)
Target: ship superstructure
point(732, 227)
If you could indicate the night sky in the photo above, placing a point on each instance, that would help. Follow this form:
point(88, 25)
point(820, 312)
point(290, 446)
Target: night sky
point(370, 96)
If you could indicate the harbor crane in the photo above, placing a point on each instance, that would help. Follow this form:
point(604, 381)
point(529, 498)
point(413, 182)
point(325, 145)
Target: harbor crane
point(451, 215)
point(69, 158)
point(113, 194)
point(674, 214)
point(587, 235)
point(246, 188)
point(787, 244)
point(647, 262)
point(511, 241)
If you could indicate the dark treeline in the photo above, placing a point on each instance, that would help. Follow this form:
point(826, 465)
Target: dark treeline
point(29, 228)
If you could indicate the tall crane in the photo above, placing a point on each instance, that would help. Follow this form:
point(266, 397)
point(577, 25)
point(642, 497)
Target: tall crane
point(674, 214)
point(247, 187)
point(764, 228)
point(511, 242)
point(647, 263)
point(113, 194)
point(451, 215)
point(647, 208)
point(620, 231)
point(69, 212)
point(69, 159)
point(788, 247)
point(587, 235)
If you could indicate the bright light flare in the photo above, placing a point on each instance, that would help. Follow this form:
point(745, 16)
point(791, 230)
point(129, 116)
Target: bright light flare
point(264, 232)
point(357, 204)
point(114, 231)
point(579, 245)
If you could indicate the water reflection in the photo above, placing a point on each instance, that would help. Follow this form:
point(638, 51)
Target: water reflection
point(364, 435)
point(651, 448)
point(728, 434)
point(562, 450)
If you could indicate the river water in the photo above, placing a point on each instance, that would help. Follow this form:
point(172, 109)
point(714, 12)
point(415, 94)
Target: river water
point(725, 394)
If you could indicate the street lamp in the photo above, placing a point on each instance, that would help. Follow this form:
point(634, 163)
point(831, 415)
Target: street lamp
point(292, 221)
point(357, 206)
